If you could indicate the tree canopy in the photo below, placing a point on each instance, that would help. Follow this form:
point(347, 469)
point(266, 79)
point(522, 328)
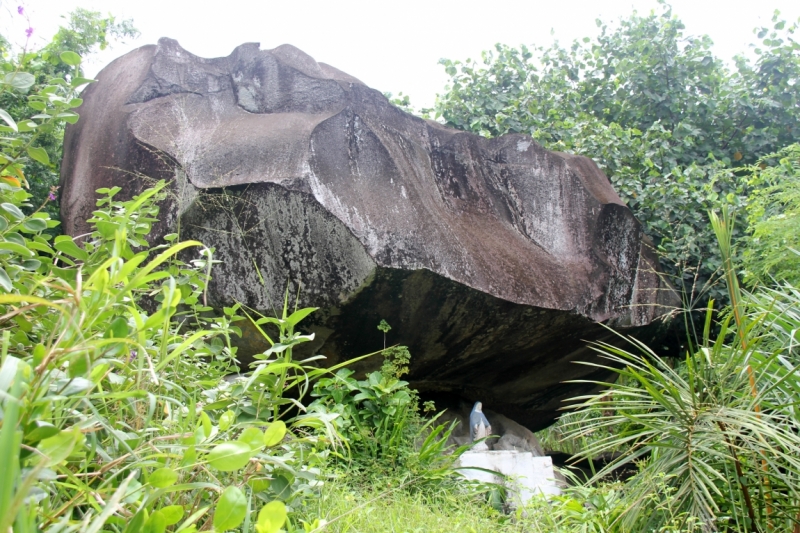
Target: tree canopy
point(83, 33)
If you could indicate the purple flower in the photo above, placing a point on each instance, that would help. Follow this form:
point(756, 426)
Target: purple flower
point(132, 356)
point(20, 10)
point(52, 196)
point(29, 32)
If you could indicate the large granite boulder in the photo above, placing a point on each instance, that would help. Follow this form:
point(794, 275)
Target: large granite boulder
point(494, 260)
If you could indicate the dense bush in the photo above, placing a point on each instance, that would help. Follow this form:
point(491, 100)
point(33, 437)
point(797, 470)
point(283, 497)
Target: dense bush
point(773, 243)
point(384, 431)
point(118, 418)
point(716, 435)
point(32, 72)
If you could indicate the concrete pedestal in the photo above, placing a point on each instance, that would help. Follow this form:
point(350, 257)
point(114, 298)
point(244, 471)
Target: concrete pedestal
point(526, 475)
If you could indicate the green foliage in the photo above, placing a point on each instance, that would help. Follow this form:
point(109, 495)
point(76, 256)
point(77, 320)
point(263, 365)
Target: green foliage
point(773, 243)
point(40, 93)
point(380, 422)
point(600, 509)
point(32, 124)
point(715, 434)
point(101, 397)
point(661, 115)
point(401, 101)
point(85, 32)
point(379, 505)
point(374, 414)
point(560, 436)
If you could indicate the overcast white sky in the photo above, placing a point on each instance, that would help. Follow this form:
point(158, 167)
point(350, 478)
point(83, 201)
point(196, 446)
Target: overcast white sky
point(390, 46)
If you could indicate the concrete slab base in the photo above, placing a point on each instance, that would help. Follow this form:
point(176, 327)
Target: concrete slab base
point(526, 475)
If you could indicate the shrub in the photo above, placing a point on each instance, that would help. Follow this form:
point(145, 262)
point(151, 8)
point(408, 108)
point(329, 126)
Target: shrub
point(716, 434)
point(773, 243)
point(380, 420)
point(102, 400)
point(37, 79)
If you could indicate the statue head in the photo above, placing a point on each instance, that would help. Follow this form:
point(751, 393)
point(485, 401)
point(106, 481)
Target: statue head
point(478, 407)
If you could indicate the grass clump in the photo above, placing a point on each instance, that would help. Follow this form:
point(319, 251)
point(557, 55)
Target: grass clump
point(381, 506)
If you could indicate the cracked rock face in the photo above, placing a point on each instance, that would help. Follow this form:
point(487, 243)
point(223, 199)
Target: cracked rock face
point(494, 260)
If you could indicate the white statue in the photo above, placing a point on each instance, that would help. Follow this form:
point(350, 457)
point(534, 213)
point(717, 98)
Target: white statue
point(479, 426)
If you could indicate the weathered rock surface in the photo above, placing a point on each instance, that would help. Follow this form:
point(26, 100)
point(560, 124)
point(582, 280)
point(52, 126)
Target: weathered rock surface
point(492, 259)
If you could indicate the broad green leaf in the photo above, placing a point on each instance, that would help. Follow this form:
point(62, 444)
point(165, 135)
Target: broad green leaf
point(37, 153)
point(16, 248)
point(205, 422)
point(26, 126)
point(134, 492)
point(229, 456)
point(56, 449)
point(8, 120)
point(253, 437)
point(258, 484)
point(39, 247)
point(118, 329)
point(99, 372)
point(69, 117)
point(31, 264)
point(163, 477)
point(226, 420)
point(282, 487)
point(157, 523)
point(77, 82)
point(230, 510)
point(35, 224)
point(21, 81)
point(189, 457)
point(70, 58)
point(299, 315)
point(274, 433)
point(16, 238)
point(156, 320)
point(271, 517)
point(172, 514)
point(39, 430)
point(5, 281)
point(12, 210)
point(39, 352)
point(78, 367)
